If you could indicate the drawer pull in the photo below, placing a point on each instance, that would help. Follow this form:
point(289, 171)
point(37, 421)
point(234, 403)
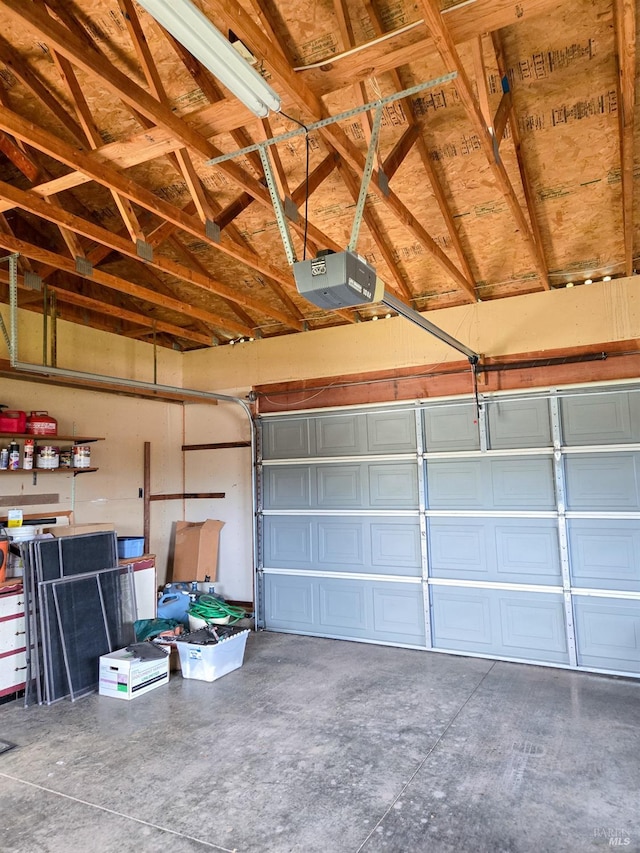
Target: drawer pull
point(18, 668)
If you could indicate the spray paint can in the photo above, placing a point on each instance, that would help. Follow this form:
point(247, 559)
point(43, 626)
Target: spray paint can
point(4, 459)
point(14, 456)
point(27, 457)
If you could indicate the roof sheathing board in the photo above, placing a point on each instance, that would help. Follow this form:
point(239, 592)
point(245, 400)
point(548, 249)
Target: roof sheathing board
point(562, 70)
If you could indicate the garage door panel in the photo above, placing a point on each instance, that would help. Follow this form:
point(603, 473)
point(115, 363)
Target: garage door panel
point(608, 633)
point(458, 549)
point(398, 611)
point(351, 609)
point(605, 555)
point(289, 602)
point(287, 439)
point(461, 619)
point(393, 485)
point(607, 482)
point(494, 483)
point(343, 604)
point(522, 484)
point(391, 432)
point(455, 484)
point(519, 423)
point(341, 543)
point(527, 551)
point(395, 546)
point(287, 542)
point(527, 625)
point(339, 487)
point(289, 487)
point(522, 551)
point(610, 418)
point(359, 545)
point(342, 435)
point(451, 428)
point(532, 625)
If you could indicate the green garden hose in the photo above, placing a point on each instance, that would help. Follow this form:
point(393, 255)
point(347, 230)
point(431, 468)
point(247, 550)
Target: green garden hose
point(209, 607)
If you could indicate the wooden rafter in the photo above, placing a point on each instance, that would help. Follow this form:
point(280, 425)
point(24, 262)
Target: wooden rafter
point(95, 169)
point(313, 110)
point(359, 89)
point(95, 140)
point(517, 143)
point(163, 128)
point(369, 217)
point(18, 157)
point(447, 50)
point(465, 21)
point(29, 201)
point(625, 23)
point(421, 145)
point(69, 45)
point(120, 285)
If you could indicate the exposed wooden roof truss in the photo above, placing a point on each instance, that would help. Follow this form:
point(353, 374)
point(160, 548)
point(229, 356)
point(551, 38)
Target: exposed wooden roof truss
point(515, 177)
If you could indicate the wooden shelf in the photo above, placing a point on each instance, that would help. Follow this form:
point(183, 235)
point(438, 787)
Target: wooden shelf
point(59, 470)
point(52, 439)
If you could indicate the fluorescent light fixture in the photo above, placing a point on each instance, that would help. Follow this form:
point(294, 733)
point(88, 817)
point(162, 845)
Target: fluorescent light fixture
point(188, 25)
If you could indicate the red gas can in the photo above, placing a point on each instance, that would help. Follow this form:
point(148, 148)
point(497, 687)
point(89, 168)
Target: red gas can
point(12, 421)
point(41, 423)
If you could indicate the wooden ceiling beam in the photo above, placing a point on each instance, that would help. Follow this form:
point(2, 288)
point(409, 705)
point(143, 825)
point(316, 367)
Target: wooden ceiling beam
point(29, 201)
point(316, 177)
point(279, 175)
point(20, 160)
point(159, 285)
point(359, 88)
point(94, 140)
point(106, 308)
point(190, 259)
point(423, 152)
point(94, 169)
point(449, 55)
point(314, 110)
point(527, 187)
point(70, 45)
point(400, 150)
point(625, 24)
point(354, 189)
point(149, 68)
point(28, 78)
point(212, 92)
point(480, 71)
point(502, 115)
point(36, 253)
point(465, 21)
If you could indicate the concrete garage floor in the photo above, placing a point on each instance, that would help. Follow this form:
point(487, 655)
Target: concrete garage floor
point(322, 746)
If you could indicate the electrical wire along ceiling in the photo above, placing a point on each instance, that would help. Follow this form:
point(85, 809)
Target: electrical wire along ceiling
point(164, 164)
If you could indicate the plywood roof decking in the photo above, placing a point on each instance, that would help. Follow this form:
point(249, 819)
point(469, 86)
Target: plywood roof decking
point(106, 127)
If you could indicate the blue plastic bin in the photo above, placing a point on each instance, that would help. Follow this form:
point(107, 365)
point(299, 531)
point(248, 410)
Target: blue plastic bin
point(130, 546)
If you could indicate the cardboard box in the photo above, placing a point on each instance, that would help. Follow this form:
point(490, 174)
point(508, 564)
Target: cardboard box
point(80, 529)
point(125, 676)
point(195, 554)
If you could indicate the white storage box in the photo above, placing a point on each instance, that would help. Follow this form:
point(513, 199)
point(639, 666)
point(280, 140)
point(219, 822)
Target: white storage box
point(125, 676)
point(209, 662)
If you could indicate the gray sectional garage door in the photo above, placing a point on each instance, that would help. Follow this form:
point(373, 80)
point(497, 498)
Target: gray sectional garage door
point(508, 530)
